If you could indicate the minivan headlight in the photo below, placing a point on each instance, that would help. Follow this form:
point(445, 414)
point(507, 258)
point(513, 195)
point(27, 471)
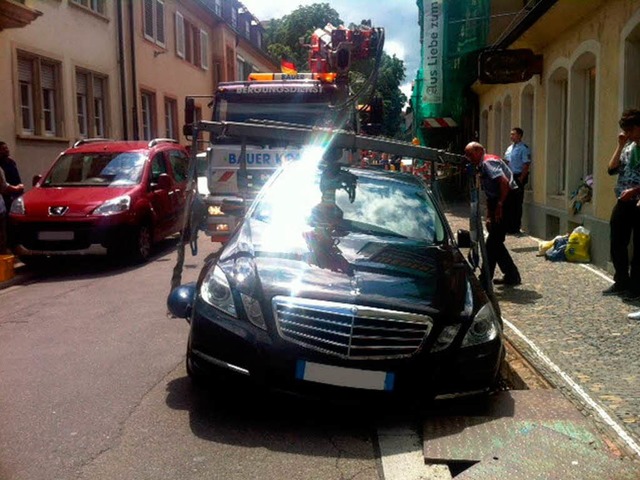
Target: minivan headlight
point(115, 205)
point(215, 290)
point(484, 328)
point(17, 207)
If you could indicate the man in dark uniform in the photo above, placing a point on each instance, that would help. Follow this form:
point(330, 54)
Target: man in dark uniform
point(497, 181)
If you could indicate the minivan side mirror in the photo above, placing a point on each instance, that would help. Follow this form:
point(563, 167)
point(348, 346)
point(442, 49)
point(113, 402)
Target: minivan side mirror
point(164, 182)
point(463, 238)
point(35, 180)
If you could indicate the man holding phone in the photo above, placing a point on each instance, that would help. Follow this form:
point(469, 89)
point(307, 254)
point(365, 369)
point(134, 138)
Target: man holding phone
point(625, 217)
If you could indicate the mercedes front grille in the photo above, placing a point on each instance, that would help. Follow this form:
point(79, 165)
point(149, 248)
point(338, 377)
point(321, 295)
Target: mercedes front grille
point(350, 331)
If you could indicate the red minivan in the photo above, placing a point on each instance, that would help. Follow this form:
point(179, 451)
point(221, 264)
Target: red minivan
point(103, 196)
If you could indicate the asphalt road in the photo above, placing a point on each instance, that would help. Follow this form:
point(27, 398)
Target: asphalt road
point(93, 386)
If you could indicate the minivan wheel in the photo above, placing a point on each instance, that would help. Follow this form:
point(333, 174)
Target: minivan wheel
point(142, 243)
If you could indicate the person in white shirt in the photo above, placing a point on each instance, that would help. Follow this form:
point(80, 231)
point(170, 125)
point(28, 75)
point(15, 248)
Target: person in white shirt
point(518, 156)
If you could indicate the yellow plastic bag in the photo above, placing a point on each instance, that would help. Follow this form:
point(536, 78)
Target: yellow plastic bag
point(577, 249)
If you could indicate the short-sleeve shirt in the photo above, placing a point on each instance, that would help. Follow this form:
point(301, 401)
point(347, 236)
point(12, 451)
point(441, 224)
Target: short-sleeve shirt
point(629, 170)
point(491, 169)
point(517, 154)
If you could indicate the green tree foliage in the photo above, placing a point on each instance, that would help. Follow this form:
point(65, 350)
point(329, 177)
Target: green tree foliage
point(391, 73)
point(283, 36)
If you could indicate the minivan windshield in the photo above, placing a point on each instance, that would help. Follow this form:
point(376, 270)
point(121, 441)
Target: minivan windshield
point(96, 169)
point(385, 205)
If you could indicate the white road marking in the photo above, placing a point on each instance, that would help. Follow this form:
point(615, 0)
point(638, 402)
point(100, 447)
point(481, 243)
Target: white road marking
point(600, 274)
point(577, 389)
point(402, 458)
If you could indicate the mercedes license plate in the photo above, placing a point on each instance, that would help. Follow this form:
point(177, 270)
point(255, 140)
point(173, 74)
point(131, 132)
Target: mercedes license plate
point(344, 377)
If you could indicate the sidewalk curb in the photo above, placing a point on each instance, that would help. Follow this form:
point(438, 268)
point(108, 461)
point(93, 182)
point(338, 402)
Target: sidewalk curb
point(21, 275)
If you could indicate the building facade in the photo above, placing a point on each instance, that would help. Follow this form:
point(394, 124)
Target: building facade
point(570, 112)
point(115, 69)
point(60, 81)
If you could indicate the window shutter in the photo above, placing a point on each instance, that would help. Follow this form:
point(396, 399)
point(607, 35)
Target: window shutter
point(204, 49)
point(148, 19)
point(48, 76)
point(81, 83)
point(98, 84)
point(179, 35)
point(25, 70)
point(160, 23)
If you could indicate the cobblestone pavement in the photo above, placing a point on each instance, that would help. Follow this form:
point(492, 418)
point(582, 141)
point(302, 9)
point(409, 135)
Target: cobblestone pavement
point(560, 309)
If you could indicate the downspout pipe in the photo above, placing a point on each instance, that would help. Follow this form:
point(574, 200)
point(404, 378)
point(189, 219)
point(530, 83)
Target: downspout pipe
point(134, 76)
point(123, 84)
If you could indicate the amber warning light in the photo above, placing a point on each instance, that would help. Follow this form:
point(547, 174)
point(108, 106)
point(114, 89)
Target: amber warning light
point(270, 77)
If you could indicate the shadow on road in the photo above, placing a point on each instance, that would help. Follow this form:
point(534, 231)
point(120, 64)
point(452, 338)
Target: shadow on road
point(62, 268)
point(240, 413)
point(517, 295)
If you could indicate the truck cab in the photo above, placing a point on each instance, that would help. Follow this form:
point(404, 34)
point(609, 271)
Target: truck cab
point(306, 100)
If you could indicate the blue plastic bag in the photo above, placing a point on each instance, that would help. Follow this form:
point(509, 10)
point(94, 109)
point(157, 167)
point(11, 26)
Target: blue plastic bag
point(557, 252)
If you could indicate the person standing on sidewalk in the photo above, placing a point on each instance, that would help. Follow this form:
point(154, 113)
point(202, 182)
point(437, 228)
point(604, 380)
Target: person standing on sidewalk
point(5, 189)
point(11, 174)
point(518, 156)
point(625, 217)
point(497, 183)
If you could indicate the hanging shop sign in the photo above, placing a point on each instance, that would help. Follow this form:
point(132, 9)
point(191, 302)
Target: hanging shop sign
point(508, 66)
point(433, 51)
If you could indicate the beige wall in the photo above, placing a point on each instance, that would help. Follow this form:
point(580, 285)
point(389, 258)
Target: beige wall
point(598, 34)
point(165, 73)
point(168, 75)
point(76, 38)
point(79, 38)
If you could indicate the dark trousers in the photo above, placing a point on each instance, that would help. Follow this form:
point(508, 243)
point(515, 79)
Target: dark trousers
point(625, 222)
point(514, 212)
point(497, 252)
point(3, 234)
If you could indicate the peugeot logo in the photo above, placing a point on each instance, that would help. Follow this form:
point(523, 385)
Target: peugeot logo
point(58, 211)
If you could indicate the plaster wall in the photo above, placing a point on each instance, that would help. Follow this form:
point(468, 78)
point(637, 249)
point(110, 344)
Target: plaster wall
point(598, 35)
point(75, 37)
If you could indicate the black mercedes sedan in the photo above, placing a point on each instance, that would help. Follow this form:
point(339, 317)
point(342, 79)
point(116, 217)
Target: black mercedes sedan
point(344, 279)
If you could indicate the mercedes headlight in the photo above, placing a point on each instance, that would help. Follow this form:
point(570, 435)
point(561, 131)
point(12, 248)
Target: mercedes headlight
point(215, 290)
point(484, 328)
point(253, 310)
point(445, 338)
point(113, 206)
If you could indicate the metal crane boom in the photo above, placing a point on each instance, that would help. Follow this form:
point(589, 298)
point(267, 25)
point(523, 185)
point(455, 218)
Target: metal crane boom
point(335, 138)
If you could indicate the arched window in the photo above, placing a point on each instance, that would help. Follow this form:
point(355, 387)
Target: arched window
point(497, 129)
point(484, 127)
point(527, 125)
point(506, 126)
point(557, 122)
point(631, 93)
point(582, 115)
